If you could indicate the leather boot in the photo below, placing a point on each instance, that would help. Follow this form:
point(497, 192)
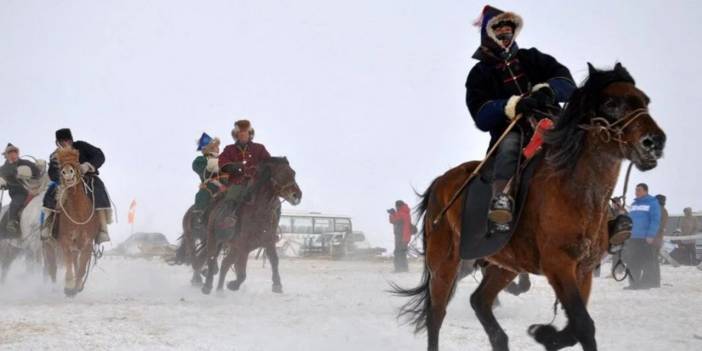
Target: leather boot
point(619, 231)
point(198, 222)
point(13, 227)
point(500, 206)
point(103, 236)
point(47, 227)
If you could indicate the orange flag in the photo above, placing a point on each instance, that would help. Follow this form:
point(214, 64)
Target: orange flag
point(132, 212)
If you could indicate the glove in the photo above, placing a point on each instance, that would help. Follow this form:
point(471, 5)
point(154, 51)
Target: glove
point(234, 167)
point(526, 106)
point(212, 165)
point(544, 95)
point(24, 172)
point(86, 168)
point(3, 183)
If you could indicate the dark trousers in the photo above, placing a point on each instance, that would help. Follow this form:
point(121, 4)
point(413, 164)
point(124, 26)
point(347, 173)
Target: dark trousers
point(400, 254)
point(19, 197)
point(507, 156)
point(691, 251)
point(102, 200)
point(641, 258)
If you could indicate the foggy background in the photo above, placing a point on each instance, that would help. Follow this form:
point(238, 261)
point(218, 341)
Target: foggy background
point(365, 98)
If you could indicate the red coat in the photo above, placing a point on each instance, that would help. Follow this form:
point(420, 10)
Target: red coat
point(248, 157)
point(403, 215)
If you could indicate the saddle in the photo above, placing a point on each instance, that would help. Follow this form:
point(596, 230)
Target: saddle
point(478, 239)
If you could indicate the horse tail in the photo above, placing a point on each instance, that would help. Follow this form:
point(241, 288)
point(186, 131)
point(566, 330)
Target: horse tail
point(416, 310)
point(180, 253)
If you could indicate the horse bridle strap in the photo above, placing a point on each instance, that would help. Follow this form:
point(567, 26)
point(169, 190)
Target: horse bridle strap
point(613, 131)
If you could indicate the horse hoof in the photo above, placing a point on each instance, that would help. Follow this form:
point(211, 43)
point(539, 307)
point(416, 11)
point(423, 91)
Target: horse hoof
point(233, 285)
point(196, 282)
point(206, 289)
point(278, 289)
point(70, 292)
point(543, 333)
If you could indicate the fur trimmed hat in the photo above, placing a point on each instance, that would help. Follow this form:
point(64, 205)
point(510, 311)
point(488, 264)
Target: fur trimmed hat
point(64, 134)
point(242, 125)
point(490, 18)
point(207, 144)
point(10, 148)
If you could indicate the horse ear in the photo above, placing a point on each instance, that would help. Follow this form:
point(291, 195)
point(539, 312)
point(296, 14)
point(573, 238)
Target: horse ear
point(591, 69)
point(618, 67)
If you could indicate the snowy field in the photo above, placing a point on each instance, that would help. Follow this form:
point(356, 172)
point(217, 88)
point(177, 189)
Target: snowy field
point(149, 305)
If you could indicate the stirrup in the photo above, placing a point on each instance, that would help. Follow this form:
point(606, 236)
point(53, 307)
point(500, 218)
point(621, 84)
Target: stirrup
point(501, 209)
point(620, 230)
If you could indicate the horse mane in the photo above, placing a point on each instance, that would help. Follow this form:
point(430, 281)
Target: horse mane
point(564, 143)
point(67, 155)
point(277, 160)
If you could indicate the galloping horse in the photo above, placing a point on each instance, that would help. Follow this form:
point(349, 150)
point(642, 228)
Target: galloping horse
point(257, 225)
point(78, 223)
point(562, 233)
point(29, 244)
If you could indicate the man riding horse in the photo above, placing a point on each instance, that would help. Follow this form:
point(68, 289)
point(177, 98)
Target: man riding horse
point(91, 159)
point(207, 168)
point(508, 82)
point(239, 164)
point(13, 176)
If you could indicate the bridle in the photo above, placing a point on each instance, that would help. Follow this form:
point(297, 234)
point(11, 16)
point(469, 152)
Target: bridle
point(87, 188)
point(614, 131)
point(278, 189)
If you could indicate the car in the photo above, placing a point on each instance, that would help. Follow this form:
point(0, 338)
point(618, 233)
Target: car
point(145, 245)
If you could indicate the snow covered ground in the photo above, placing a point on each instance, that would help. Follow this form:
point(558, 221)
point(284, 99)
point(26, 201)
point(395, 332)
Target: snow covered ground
point(149, 305)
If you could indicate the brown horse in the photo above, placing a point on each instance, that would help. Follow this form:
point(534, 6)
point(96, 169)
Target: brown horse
point(563, 231)
point(257, 225)
point(78, 223)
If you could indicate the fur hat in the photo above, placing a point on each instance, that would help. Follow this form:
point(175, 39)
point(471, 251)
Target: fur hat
point(241, 125)
point(67, 155)
point(64, 134)
point(10, 148)
point(208, 144)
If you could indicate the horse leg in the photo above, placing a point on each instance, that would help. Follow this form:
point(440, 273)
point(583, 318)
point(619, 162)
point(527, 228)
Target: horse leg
point(522, 286)
point(82, 266)
point(227, 263)
point(573, 294)
point(443, 270)
point(272, 255)
point(70, 281)
point(494, 280)
point(211, 269)
point(50, 263)
point(240, 268)
point(6, 263)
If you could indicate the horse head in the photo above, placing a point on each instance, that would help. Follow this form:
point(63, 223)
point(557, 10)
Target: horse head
point(282, 178)
point(69, 164)
point(610, 114)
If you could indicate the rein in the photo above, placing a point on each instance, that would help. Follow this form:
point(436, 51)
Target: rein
point(63, 209)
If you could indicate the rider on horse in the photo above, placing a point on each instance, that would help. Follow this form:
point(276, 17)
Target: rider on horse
point(239, 163)
point(508, 82)
point(91, 159)
point(207, 168)
point(13, 176)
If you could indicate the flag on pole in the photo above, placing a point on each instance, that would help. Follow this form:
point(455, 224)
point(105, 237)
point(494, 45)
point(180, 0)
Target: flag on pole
point(132, 212)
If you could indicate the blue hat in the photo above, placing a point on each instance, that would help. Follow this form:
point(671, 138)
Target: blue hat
point(204, 141)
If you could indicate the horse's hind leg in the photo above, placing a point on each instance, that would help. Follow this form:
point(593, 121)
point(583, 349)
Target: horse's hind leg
point(240, 266)
point(443, 263)
point(211, 270)
point(574, 296)
point(494, 280)
point(227, 263)
point(273, 257)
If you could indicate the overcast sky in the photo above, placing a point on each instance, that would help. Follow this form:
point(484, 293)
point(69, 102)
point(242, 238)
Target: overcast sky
point(365, 97)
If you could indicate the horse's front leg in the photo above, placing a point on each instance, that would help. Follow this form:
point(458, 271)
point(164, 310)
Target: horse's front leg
point(272, 254)
point(69, 288)
point(573, 294)
point(211, 269)
point(494, 280)
point(83, 260)
point(50, 264)
point(242, 258)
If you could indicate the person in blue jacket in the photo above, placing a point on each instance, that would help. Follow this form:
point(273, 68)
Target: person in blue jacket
point(639, 251)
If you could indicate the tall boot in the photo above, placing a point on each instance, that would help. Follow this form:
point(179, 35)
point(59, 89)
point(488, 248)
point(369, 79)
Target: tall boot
point(102, 235)
point(500, 206)
point(198, 222)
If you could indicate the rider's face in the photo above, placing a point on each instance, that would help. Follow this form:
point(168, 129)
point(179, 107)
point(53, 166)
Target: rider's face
point(12, 156)
point(504, 29)
point(243, 136)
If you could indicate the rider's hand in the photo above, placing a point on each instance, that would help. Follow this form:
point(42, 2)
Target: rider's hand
point(86, 168)
point(544, 95)
point(24, 172)
point(526, 105)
